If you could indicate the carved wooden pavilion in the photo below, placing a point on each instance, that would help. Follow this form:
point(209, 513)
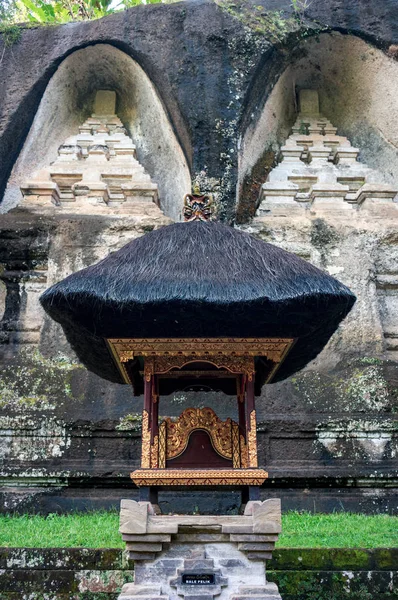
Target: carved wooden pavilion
point(198, 302)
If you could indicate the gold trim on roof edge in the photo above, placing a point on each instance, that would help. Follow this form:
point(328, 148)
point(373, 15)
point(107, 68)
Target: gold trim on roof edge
point(125, 349)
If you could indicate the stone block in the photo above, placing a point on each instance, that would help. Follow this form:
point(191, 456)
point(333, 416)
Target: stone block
point(142, 556)
point(253, 537)
point(204, 538)
point(259, 555)
point(375, 190)
point(154, 527)
point(346, 155)
point(143, 547)
point(105, 103)
point(200, 529)
point(237, 528)
point(267, 511)
point(269, 588)
point(309, 102)
point(39, 191)
point(196, 596)
point(198, 563)
point(260, 546)
point(133, 517)
point(147, 537)
point(141, 590)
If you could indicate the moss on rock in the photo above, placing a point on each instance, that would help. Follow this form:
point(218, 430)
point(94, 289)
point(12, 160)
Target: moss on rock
point(35, 382)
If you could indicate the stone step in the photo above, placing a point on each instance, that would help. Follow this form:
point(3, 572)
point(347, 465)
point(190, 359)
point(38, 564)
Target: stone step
point(253, 546)
point(147, 547)
point(257, 597)
point(132, 591)
point(128, 596)
point(142, 556)
point(135, 589)
point(269, 588)
point(199, 596)
point(259, 555)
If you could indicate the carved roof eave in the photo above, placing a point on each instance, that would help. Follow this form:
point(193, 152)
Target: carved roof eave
point(218, 351)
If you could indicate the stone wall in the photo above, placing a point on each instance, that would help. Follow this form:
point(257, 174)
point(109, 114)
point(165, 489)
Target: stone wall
point(209, 92)
point(301, 574)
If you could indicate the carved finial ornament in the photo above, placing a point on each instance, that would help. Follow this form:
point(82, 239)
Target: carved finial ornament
point(198, 206)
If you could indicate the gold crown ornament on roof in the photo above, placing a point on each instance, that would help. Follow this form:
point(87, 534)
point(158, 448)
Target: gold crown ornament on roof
point(198, 206)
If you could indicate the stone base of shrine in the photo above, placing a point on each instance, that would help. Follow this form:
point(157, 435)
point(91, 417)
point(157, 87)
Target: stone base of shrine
point(200, 557)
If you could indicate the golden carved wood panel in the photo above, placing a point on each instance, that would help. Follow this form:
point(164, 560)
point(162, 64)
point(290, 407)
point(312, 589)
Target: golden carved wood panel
point(252, 440)
point(233, 364)
point(184, 477)
point(145, 442)
point(178, 431)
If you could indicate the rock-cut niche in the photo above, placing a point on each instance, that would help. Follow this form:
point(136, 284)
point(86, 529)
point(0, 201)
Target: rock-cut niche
point(100, 109)
point(357, 90)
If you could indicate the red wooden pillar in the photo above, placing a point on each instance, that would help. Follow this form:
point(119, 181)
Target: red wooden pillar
point(154, 419)
point(241, 385)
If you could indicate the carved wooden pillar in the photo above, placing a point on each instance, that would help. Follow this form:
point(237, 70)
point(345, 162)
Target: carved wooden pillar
point(146, 423)
point(155, 424)
point(251, 424)
point(241, 393)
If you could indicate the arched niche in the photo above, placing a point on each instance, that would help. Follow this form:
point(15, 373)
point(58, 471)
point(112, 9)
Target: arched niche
point(358, 92)
point(68, 101)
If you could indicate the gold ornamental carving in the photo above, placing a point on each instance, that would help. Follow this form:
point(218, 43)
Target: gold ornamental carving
point(269, 347)
point(195, 349)
point(155, 453)
point(186, 477)
point(146, 442)
point(252, 440)
point(236, 461)
point(244, 459)
point(162, 445)
point(234, 364)
point(178, 431)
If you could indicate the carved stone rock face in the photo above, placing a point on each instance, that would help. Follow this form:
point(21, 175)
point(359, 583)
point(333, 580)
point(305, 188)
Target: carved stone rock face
point(229, 102)
point(97, 167)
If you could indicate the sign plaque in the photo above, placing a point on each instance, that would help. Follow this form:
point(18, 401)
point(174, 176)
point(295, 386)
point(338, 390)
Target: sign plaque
point(198, 578)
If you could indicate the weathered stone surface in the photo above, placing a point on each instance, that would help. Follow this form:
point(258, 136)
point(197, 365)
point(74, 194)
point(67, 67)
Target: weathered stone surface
point(148, 537)
point(143, 547)
point(260, 546)
point(133, 517)
point(345, 572)
point(327, 436)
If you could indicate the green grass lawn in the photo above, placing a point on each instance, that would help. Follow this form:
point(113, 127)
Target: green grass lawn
point(100, 530)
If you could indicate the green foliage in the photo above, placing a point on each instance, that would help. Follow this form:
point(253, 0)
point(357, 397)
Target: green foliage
point(271, 23)
point(62, 11)
point(91, 530)
point(100, 530)
point(338, 530)
point(131, 3)
point(35, 382)
point(11, 34)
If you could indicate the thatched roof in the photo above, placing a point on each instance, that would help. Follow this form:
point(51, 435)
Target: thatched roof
point(198, 280)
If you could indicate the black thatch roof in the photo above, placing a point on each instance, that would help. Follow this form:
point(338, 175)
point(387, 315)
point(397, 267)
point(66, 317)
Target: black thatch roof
point(198, 280)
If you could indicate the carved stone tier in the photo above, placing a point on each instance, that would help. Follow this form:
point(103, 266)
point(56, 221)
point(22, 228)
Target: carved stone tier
point(320, 170)
point(145, 532)
point(95, 169)
point(196, 556)
point(202, 477)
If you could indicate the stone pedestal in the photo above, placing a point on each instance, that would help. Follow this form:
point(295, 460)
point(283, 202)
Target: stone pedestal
point(200, 557)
